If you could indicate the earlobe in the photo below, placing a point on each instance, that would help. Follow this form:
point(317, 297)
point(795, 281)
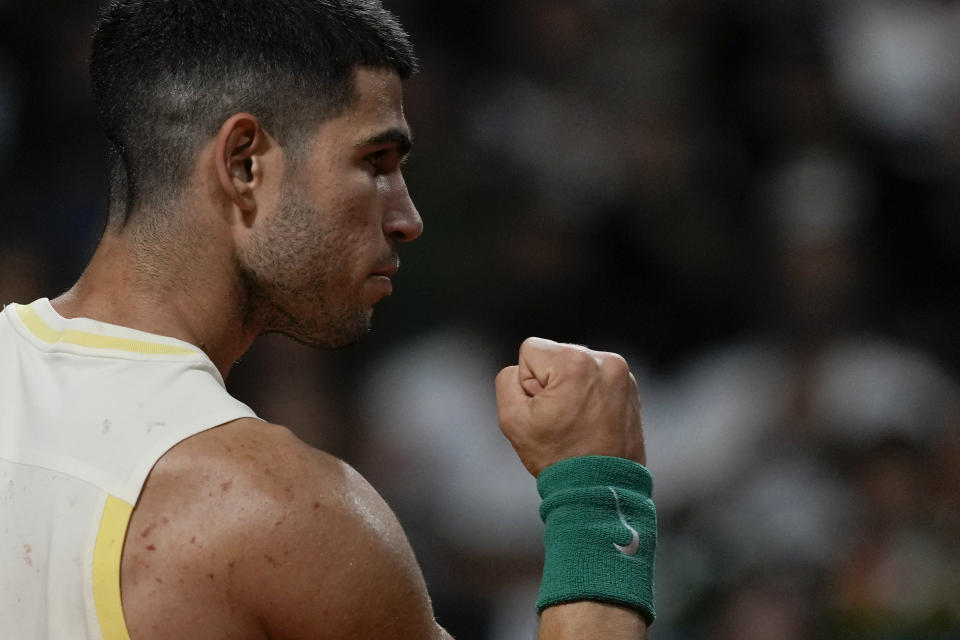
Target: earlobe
point(239, 143)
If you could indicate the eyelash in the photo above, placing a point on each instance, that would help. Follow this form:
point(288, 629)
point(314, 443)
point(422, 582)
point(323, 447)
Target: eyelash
point(375, 158)
point(374, 161)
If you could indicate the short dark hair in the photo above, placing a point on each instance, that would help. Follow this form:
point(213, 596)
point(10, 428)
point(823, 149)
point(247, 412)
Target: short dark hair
point(167, 73)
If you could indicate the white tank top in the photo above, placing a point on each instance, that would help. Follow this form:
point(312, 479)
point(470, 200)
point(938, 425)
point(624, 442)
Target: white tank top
point(86, 410)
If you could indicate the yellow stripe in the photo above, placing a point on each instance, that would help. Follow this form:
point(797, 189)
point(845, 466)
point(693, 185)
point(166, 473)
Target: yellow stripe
point(106, 568)
point(32, 320)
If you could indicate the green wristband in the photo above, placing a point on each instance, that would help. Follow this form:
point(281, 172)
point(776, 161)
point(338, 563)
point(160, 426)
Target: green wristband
point(601, 533)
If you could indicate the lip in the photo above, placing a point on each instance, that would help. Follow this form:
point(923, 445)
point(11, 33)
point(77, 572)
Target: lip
point(382, 283)
point(389, 271)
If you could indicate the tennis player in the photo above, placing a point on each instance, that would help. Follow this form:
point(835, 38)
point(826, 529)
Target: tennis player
point(256, 152)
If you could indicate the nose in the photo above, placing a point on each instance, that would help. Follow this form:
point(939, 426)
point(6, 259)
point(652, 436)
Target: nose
point(402, 222)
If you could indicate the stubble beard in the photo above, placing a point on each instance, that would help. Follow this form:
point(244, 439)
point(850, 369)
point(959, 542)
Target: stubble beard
point(286, 273)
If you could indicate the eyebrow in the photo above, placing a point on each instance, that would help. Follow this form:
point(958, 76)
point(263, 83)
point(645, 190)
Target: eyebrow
point(403, 140)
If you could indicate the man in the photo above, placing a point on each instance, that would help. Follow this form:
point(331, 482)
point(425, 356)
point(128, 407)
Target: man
point(256, 153)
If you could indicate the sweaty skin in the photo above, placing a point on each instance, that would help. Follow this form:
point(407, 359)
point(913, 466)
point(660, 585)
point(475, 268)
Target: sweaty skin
point(243, 531)
point(257, 535)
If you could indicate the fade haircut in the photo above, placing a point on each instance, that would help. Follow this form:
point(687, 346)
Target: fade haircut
point(167, 73)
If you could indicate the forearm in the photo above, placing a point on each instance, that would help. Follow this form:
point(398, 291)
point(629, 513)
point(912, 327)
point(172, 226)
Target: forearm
point(573, 416)
point(588, 620)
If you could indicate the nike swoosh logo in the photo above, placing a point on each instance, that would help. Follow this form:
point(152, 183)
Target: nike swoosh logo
point(634, 546)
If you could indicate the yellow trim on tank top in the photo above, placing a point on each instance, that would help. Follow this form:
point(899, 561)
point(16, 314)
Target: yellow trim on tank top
point(32, 320)
point(107, 554)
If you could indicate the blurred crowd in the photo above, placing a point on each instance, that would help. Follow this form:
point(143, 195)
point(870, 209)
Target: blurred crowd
point(755, 201)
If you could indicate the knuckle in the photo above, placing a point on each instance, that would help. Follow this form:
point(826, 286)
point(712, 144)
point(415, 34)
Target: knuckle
point(535, 343)
point(580, 360)
point(615, 365)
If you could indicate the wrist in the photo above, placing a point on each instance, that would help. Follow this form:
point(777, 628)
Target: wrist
point(600, 535)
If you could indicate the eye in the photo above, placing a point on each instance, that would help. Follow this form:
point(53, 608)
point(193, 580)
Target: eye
point(377, 161)
point(385, 161)
point(373, 161)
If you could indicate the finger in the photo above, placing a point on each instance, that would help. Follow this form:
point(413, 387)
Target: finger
point(512, 401)
point(613, 365)
point(509, 390)
point(531, 386)
point(536, 360)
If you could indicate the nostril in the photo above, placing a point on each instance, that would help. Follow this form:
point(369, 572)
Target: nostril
point(404, 226)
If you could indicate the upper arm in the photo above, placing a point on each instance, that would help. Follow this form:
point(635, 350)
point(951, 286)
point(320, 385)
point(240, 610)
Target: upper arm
point(332, 561)
point(287, 542)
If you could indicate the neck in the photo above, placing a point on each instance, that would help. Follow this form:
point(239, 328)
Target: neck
point(187, 289)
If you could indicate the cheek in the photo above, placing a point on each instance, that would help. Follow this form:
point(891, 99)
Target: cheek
point(344, 238)
point(366, 203)
point(362, 219)
point(348, 249)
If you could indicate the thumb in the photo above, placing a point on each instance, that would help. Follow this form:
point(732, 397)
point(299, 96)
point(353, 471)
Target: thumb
point(531, 386)
point(511, 394)
point(535, 362)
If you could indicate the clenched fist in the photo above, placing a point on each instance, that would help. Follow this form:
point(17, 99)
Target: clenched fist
point(565, 401)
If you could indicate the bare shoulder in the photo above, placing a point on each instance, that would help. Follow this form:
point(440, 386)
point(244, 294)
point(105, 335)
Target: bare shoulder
point(244, 531)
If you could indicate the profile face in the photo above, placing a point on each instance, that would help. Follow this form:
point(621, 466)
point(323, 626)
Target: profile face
point(328, 252)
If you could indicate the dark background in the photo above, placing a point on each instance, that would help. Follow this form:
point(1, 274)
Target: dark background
point(755, 201)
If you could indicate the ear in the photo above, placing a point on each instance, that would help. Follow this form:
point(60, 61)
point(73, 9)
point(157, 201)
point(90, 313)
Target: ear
point(239, 145)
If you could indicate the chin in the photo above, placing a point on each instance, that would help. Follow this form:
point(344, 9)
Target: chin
point(336, 331)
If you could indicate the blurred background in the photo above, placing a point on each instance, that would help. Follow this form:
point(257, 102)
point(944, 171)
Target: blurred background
point(755, 201)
